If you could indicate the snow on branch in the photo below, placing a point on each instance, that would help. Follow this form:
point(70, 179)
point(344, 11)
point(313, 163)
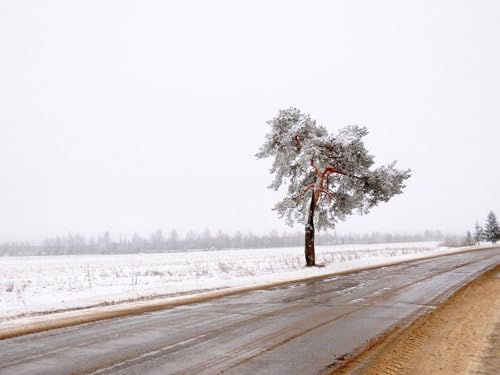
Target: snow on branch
point(307, 158)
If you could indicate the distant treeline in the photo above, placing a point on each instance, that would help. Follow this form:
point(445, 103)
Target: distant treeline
point(157, 242)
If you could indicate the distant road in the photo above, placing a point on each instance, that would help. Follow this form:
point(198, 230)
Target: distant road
point(297, 329)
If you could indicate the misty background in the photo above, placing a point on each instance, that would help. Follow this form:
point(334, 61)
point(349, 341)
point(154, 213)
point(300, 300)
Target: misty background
point(129, 116)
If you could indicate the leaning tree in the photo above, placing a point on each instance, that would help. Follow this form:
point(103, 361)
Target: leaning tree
point(328, 176)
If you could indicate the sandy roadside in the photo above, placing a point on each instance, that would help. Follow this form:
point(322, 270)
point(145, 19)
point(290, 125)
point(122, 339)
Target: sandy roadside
point(461, 336)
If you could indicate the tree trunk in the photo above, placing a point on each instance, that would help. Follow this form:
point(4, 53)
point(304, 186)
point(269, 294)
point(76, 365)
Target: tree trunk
point(309, 234)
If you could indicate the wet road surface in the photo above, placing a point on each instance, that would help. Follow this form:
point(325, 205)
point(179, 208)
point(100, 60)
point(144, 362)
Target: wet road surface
point(296, 329)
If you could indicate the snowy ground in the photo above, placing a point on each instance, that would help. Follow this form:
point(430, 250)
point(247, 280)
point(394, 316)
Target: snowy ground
point(30, 285)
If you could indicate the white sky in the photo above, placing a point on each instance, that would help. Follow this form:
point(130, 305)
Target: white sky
point(137, 115)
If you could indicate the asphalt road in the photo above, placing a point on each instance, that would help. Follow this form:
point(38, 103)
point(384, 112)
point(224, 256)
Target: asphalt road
point(296, 329)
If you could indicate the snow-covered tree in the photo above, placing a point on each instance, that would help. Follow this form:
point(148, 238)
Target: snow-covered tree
point(491, 231)
point(468, 239)
point(328, 176)
point(478, 233)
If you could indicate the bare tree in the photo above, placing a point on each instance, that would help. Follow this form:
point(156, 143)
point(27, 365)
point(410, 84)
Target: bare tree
point(478, 233)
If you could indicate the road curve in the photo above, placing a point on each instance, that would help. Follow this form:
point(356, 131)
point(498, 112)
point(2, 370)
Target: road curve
point(296, 329)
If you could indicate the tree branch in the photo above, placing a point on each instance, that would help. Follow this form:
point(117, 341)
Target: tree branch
point(303, 191)
point(296, 140)
point(316, 170)
point(328, 193)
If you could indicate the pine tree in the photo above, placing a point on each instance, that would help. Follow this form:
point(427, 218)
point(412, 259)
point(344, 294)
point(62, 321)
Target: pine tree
point(328, 176)
point(491, 229)
point(468, 239)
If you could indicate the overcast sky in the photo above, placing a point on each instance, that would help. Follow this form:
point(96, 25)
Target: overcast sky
point(137, 115)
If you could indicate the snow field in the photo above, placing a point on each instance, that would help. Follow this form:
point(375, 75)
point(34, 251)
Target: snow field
point(31, 285)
